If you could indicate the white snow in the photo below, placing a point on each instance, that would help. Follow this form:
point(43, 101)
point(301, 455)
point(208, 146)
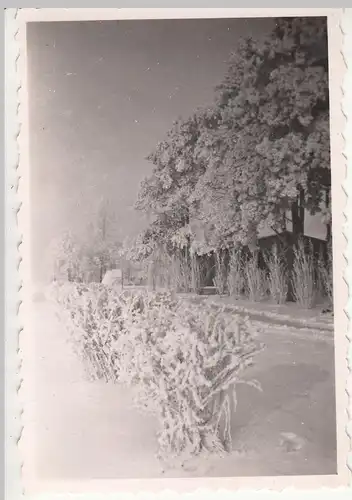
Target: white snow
point(112, 277)
point(82, 428)
point(77, 429)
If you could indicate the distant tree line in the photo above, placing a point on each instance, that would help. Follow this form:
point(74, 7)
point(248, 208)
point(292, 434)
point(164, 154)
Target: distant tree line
point(87, 258)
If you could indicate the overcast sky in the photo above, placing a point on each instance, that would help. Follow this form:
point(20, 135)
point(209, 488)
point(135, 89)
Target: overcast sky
point(101, 95)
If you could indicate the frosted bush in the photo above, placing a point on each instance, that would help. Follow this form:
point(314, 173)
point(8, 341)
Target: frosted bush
point(92, 315)
point(182, 361)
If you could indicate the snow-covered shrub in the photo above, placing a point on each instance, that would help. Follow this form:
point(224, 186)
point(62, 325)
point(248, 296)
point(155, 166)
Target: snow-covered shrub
point(92, 314)
point(235, 279)
point(184, 363)
point(256, 283)
point(182, 360)
point(304, 276)
point(277, 279)
point(220, 280)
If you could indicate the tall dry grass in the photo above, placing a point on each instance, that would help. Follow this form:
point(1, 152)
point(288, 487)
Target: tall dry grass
point(303, 277)
point(220, 279)
point(277, 277)
point(235, 279)
point(178, 271)
point(256, 283)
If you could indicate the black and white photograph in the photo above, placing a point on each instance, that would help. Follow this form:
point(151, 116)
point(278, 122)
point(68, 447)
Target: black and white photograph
point(182, 250)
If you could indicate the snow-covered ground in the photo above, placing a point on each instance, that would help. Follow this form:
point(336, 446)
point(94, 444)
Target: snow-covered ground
point(84, 429)
point(284, 314)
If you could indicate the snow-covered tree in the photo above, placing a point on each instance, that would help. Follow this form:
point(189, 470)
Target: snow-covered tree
point(87, 256)
point(166, 194)
point(274, 132)
point(102, 246)
point(260, 152)
point(65, 258)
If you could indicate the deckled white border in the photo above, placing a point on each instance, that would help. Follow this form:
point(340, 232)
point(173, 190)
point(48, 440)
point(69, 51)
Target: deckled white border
point(339, 246)
point(346, 26)
point(13, 427)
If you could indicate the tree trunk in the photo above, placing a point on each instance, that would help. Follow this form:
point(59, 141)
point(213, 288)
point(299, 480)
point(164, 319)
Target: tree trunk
point(102, 270)
point(293, 237)
point(297, 213)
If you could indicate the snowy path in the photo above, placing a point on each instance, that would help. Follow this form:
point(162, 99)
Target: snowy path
point(85, 428)
point(90, 429)
point(291, 316)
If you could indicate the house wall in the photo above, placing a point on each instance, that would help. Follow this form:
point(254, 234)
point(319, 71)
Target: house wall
point(313, 227)
point(265, 244)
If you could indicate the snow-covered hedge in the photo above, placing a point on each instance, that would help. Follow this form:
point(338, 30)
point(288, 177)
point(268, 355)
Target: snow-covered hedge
point(92, 315)
point(183, 361)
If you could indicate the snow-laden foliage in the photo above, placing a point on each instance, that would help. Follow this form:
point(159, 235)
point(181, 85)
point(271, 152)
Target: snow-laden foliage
point(182, 360)
point(262, 151)
point(102, 248)
point(65, 258)
point(92, 315)
point(86, 257)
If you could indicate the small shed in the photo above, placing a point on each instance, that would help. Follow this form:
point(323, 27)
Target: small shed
point(113, 277)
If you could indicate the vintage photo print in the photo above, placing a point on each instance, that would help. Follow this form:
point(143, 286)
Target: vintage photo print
point(183, 272)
